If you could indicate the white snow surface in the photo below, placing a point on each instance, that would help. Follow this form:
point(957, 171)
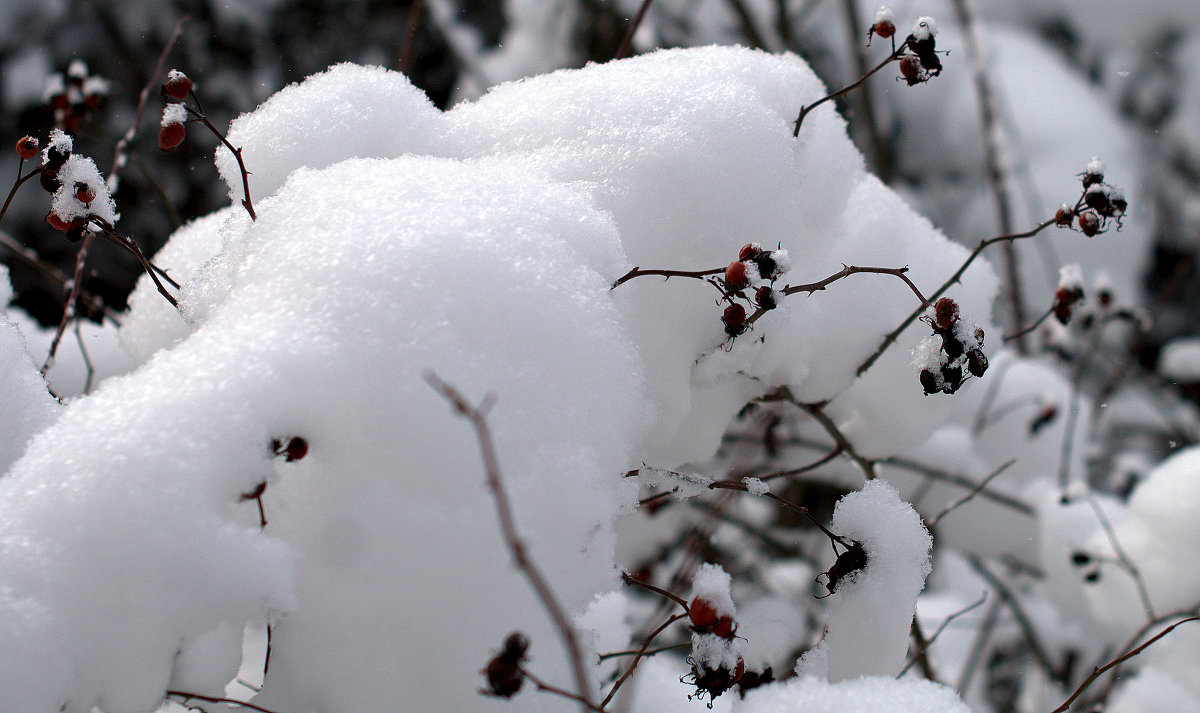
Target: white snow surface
point(711, 582)
point(480, 243)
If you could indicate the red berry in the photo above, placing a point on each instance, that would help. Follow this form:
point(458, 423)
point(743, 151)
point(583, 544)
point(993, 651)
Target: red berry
point(735, 275)
point(1063, 295)
point(910, 69)
point(945, 313)
point(171, 136)
point(27, 147)
point(296, 449)
point(1062, 312)
point(724, 627)
point(738, 671)
point(1089, 223)
point(703, 614)
point(749, 251)
point(884, 29)
point(765, 298)
point(1064, 216)
point(734, 319)
point(84, 193)
point(178, 86)
point(56, 222)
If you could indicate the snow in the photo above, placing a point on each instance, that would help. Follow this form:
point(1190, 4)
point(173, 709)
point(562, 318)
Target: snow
point(173, 114)
point(868, 694)
point(871, 611)
point(711, 583)
point(481, 243)
point(884, 14)
point(924, 28)
point(1180, 360)
point(1070, 277)
point(82, 171)
point(754, 486)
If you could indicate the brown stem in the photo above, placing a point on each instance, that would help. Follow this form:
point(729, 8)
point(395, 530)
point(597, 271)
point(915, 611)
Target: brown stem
point(848, 270)
point(638, 272)
point(69, 307)
point(129, 244)
point(16, 185)
point(550, 688)
point(627, 40)
point(638, 658)
point(924, 644)
point(1036, 323)
point(804, 110)
point(477, 415)
point(970, 494)
point(217, 699)
point(199, 115)
point(983, 244)
point(1099, 671)
point(629, 579)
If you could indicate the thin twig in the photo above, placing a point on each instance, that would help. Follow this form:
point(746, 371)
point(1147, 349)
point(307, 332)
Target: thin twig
point(921, 658)
point(1036, 323)
point(639, 272)
point(804, 110)
point(983, 244)
point(648, 652)
point(1122, 556)
point(632, 581)
point(638, 658)
point(217, 699)
point(627, 40)
point(477, 415)
point(938, 632)
point(1097, 672)
point(970, 494)
point(199, 115)
point(550, 688)
point(1009, 597)
point(408, 52)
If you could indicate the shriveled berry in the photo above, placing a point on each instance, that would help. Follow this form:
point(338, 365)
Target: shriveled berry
point(951, 344)
point(767, 266)
point(945, 313)
point(1080, 558)
point(171, 136)
point(977, 362)
point(749, 251)
point(1089, 223)
point(953, 378)
point(178, 86)
point(929, 382)
point(703, 614)
point(1062, 312)
point(295, 449)
point(503, 672)
point(27, 147)
point(735, 275)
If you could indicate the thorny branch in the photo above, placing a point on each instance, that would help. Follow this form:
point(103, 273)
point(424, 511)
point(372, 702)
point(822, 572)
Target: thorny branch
point(477, 415)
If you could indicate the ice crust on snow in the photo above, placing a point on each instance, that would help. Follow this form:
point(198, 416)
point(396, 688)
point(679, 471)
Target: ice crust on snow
point(481, 243)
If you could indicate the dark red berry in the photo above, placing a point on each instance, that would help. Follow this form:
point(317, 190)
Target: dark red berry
point(734, 319)
point(27, 147)
point(503, 672)
point(56, 222)
point(1089, 223)
point(1062, 312)
point(171, 136)
point(178, 86)
point(724, 627)
point(703, 614)
point(929, 382)
point(735, 276)
point(883, 28)
point(1064, 217)
point(764, 297)
point(977, 362)
point(945, 313)
point(84, 193)
point(749, 251)
point(910, 69)
point(295, 449)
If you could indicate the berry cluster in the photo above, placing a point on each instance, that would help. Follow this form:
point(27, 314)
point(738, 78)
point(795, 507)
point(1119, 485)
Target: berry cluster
point(716, 659)
point(173, 129)
point(920, 59)
point(1069, 292)
point(946, 366)
point(78, 192)
point(754, 266)
point(1100, 202)
point(74, 94)
point(503, 672)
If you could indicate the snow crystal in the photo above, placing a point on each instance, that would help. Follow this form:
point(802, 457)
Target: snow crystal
point(924, 28)
point(1180, 360)
point(1070, 277)
point(82, 171)
point(174, 114)
point(715, 652)
point(60, 140)
point(754, 486)
point(871, 611)
point(711, 582)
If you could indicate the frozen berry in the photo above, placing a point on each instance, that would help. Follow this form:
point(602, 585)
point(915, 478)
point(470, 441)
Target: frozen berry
point(883, 28)
point(735, 275)
point(27, 147)
point(929, 382)
point(84, 193)
point(734, 319)
point(178, 86)
point(749, 251)
point(766, 298)
point(977, 362)
point(1089, 223)
point(56, 222)
point(1064, 217)
point(945, 313)
point(724, 627)
point(703, 614)
point(910, 69)
point(171, 136)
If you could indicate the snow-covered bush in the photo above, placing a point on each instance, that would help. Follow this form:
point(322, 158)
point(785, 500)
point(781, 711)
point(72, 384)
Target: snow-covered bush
point(676, 314)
